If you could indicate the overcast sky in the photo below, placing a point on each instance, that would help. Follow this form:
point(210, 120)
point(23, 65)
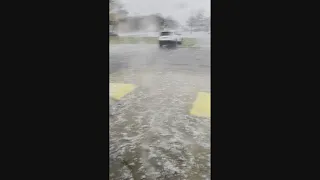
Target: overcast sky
point(180, 10)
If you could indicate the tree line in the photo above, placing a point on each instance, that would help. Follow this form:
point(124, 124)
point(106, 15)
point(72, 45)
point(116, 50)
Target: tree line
point(159, 22)
point(198, 22)
point(118, 14)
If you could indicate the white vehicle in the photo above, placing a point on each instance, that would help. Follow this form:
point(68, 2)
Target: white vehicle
point(170, 38)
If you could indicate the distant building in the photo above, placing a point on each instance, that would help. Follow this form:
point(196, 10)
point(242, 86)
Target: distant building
point(139, 23)
point(150, 23)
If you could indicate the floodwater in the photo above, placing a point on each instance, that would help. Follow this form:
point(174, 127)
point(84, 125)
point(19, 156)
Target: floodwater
point(152, 133)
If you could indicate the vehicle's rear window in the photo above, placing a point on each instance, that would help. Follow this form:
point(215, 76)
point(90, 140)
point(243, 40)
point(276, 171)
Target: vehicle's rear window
point(165, 33)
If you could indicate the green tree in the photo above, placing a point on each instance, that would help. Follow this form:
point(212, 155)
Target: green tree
point(170, 22)
point(198, 21)
point(191, 22)
point(116, 13)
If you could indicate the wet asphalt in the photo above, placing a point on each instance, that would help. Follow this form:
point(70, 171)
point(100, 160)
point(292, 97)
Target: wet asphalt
point(152, 133)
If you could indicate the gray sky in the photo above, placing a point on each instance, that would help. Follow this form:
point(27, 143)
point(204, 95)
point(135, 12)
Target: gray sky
point(180, 10)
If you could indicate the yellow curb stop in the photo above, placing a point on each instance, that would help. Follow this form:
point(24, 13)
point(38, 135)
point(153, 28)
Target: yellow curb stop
point(202, 106)
point(119, 90)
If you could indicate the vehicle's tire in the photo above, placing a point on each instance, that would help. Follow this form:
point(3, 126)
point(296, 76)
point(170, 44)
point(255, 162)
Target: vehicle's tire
point(175, 45)
point(160, 45)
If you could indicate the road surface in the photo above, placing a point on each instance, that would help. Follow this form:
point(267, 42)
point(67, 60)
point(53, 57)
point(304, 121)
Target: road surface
point(159, 120)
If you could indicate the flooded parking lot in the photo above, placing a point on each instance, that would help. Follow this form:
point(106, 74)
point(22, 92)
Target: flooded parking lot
point(153, 133)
